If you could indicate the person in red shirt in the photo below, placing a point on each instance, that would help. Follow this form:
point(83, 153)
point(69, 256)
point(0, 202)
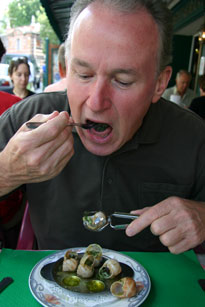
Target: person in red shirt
point(7, 100)
point(11, 209)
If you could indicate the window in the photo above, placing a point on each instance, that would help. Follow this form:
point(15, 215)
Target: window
point(18, 44)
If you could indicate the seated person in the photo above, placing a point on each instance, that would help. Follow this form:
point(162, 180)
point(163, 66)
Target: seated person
point(198, 104)
point(19, 71)
point(180, 94)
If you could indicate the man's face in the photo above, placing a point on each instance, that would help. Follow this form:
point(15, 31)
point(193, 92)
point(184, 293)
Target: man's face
point(182, 83)
point(111, 75)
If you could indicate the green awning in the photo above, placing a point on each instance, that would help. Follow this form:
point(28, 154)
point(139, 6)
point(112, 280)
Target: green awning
point(58, 13)
point(186, 13)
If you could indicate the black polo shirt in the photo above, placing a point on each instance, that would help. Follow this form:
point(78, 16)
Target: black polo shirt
point(166, 157)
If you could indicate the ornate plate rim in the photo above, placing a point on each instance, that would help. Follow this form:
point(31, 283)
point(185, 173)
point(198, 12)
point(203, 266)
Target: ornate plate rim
point(57, 292)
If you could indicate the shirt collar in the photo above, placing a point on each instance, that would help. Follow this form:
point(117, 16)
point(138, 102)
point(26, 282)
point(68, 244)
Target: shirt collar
point(175, 92)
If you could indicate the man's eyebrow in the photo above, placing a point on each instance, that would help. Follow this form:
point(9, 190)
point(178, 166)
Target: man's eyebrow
point(128, 71)
point(79, 62)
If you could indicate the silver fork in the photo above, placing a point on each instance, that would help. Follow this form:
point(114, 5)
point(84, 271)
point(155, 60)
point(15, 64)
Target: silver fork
point(34, 125)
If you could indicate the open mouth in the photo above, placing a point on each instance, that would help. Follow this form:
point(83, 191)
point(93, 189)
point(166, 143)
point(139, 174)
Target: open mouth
point(98, 127)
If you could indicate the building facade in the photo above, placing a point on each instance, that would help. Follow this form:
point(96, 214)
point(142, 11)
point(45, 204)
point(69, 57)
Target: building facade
point(25, 40)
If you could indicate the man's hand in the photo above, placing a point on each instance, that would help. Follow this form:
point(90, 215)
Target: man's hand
point(179, 223)
point(36, 155)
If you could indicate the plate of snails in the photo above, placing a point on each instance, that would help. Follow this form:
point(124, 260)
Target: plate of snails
point(89, 276)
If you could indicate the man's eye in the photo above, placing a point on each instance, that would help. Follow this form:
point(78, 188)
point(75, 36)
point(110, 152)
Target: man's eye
point(124, 83)
point(84, 76)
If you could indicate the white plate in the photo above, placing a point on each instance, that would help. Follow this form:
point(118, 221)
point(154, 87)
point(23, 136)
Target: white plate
point(50, 294)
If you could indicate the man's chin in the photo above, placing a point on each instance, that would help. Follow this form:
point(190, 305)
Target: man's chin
point(100, 149)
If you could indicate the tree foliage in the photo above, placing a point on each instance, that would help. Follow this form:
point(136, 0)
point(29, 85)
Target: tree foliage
point(46, 31)
point(20, 13)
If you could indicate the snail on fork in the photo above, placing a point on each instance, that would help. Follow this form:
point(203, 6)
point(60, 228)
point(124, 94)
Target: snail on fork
point(97, 220)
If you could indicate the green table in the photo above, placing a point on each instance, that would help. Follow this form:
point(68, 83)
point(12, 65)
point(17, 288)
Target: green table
point(174, 278)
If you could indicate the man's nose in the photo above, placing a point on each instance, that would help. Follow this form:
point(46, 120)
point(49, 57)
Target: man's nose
point(99, 96)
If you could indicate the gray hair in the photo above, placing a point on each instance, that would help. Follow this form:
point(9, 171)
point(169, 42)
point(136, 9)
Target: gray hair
point(183, 72)
point(156, 8)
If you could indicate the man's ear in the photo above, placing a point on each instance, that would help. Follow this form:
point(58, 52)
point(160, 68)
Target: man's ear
point(62, 72)
point(162, 83)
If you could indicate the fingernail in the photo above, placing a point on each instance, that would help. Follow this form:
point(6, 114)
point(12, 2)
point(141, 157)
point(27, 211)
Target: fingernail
point(129, 232)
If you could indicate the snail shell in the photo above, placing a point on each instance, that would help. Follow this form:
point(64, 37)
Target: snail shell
point(96, 221)
point(126, 287)
point(86, 266)
point(96, 251)
point(110, 269)
point(70, 261)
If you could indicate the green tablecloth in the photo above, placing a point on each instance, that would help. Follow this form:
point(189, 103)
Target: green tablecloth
point(173, 278)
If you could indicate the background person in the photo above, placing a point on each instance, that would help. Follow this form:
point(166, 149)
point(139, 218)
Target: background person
point(135, 159)
point(61, 84)
point(181, 94)
point(19, 71)
point(198, 104)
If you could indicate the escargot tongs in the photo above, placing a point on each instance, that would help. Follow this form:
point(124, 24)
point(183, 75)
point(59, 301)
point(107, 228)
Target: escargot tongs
point(97, 220)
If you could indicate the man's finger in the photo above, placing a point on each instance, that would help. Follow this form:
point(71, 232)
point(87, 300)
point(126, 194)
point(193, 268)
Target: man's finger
point(147, 218)
point(139, 211)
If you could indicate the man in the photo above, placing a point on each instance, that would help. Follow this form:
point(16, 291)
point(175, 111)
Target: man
point(144, 155)
point(181, 94)
point(198, 104)
point(61, 84)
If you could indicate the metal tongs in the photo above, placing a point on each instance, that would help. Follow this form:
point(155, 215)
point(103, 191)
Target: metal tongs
point(97, 220)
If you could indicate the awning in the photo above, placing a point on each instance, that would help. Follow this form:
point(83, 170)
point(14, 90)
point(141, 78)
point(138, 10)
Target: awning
point(58, 12)
point(188, 18)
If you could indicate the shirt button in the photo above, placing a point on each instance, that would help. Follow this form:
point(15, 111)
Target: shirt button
point(109, 180)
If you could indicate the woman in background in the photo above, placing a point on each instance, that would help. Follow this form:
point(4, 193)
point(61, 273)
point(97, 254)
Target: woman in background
point(19, 71)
